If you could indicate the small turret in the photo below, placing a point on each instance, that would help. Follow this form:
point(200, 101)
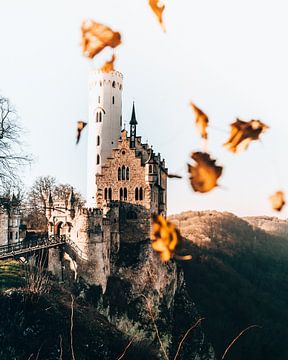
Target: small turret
point(133, 125)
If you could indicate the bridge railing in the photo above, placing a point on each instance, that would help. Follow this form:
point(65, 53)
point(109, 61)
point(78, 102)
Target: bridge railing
point(32, 244)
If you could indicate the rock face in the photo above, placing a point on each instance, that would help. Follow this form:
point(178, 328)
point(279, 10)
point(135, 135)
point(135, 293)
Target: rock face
point(144, 293)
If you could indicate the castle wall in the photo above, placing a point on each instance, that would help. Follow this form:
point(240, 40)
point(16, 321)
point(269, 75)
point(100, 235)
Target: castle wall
point(3, 227)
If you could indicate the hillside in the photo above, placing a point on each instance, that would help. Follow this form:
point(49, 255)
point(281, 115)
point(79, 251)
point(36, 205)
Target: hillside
point(238, 277)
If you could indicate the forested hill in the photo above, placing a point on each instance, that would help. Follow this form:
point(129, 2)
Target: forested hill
point(239, 277)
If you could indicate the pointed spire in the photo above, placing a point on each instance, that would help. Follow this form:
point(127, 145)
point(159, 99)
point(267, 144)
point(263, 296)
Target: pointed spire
point(71, 199)
point(133, 120)
point(50, 200)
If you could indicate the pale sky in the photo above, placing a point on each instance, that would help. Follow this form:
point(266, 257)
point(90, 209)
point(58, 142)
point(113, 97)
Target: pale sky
point(229, 57)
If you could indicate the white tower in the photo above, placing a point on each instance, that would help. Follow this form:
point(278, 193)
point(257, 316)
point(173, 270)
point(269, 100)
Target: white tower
point(105, 123)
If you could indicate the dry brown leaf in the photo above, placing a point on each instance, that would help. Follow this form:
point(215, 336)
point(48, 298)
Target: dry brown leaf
point(164, 236)
point(109, 65)
point(205, 173)
point(158, 7)
point(95, 37)
point(201, 121)
point(277, 200)
point(80, 126)
point(242, 133)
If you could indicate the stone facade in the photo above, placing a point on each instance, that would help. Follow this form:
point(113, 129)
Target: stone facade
point(10, 219)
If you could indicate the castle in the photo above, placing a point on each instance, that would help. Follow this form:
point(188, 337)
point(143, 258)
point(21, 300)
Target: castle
point(10, 217)
point(126, 183)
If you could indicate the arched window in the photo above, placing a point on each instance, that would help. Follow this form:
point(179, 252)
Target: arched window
point(150, 169)
point(97, 116)
point(100, 83)
point(136, 194)
point(125, 194)
point(113, 84)
point(127, 173)
point(98, 160)
point(119, 173)
point(99, 99)
point(123, 172)
point(121, 194)
point(100, 117)
point(110, 194)
point(141, 194)
point(113, 100)
point(121, 120)
point(98, 140)
point(105, 194)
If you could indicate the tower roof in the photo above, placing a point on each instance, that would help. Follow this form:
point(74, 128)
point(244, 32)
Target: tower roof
point(133, 120)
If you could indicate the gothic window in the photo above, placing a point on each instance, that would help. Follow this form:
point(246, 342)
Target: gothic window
point(121, 194)
point(113, 84)
point(136, 194)
point(141, 194)
point(105, 194)
point(110, 194)
point(100, 117)
point(98, 159)
point(113, 100)
point(100, 83)
point(98, 140)
point(123, 172)
point(150, 169)
point(16, 235)
point(98, 99)
point(119, 173)
point(125, 194)
point(97, 116)
point(121, 120)
point(11, 235)
point(127, 173)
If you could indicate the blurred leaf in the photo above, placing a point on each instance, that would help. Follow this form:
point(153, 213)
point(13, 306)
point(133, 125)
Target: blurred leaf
point(80, 126)
point(242, 133)
point(277, 200)
point(201, 121)
point(204, 174)
point(109, 65)
point(158, 8)
point(95, 37)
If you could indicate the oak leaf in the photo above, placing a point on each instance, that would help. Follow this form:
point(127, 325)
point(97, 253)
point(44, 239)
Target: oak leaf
point(204, 173)
point(201, 121)
point(277, 200)
point(95, 37)
point(80, 126)
point(242, 133)
point(158, 7)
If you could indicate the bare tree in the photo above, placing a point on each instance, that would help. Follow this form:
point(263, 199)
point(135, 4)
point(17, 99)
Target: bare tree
point(36, 202)
point(11, 152)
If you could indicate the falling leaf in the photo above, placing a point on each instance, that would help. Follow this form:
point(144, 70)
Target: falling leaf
point(201, 121)
point(164, 236)
point(277, 200)
point(95, 37)
point(204, 174)
point(109, 65)
point(242, 133)
point(158, 8)
point(174, 176)
point(80, 126)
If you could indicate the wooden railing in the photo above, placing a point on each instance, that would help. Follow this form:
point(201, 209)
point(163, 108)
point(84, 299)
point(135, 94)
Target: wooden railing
point(31, 245)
